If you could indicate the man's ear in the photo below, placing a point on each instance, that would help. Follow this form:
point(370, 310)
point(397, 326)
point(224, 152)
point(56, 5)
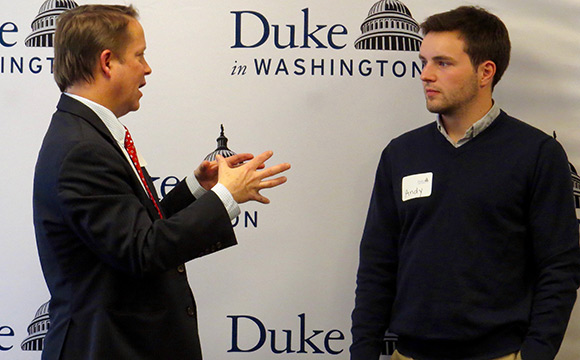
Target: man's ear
point(105, 62)
point(486, 72)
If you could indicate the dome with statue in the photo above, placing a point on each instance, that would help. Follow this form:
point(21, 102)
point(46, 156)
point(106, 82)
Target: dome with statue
point(222, 147)
point(389, 26)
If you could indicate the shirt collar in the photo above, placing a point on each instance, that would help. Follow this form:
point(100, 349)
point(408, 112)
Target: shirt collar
point(477, 128)
point(109, 119)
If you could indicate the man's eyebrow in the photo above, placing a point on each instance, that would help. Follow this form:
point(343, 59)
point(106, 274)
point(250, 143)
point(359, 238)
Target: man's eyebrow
point(442, 57)
point(438, 58)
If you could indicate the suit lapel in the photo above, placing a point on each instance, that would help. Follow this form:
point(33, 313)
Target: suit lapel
point(75, 107)
point(154, 193)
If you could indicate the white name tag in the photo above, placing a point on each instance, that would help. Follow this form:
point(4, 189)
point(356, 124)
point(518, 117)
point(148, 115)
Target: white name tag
point(417, 186)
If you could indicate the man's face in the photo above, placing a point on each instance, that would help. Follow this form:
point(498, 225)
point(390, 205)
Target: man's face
point(450, 81)
point(130, 72)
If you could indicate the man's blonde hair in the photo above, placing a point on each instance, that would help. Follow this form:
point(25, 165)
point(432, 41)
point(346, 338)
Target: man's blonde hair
point(82, 34)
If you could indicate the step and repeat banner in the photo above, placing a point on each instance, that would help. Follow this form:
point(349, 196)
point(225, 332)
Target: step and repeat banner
point(307, 79)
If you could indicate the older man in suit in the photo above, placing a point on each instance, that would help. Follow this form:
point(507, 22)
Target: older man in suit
point(112, 254)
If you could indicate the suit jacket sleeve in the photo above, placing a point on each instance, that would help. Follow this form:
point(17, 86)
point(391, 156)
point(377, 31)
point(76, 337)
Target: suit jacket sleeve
point(177, 199)
point(102, 202)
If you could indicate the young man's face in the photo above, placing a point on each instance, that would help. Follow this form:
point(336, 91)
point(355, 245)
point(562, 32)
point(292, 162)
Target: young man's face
point(450, 80)
point(130, 71)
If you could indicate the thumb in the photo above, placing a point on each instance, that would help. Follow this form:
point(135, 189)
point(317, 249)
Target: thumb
point(204, 165)
point(221, 161)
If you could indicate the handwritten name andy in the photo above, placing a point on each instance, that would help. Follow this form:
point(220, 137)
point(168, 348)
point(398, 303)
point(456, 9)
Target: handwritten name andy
point(417, 186)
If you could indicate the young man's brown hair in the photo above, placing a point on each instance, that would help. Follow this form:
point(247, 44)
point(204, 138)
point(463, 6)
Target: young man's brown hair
point(484, 34)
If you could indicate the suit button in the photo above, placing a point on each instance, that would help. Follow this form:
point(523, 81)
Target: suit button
point(181, 268)
point(190, 311)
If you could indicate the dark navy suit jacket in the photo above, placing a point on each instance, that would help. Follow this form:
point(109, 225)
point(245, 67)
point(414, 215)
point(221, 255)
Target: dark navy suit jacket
point(115, 271)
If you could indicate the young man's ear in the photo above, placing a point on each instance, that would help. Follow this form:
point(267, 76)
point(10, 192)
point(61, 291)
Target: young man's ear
point(486, 73)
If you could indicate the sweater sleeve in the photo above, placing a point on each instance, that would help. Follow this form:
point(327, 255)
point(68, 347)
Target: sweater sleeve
point(556, 257)
point(377, 273)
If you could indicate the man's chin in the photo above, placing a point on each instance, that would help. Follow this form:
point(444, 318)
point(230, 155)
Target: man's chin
point(135, 107)
point(434, 108)
point(127, 110)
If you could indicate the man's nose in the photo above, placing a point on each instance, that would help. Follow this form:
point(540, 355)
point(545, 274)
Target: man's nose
point(427, 73)
point(147, 68)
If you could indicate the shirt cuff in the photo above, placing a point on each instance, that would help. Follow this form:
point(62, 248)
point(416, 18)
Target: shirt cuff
point(227, 199)
point(194, 187)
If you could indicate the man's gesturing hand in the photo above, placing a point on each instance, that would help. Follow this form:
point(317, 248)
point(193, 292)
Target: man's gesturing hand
point(245, 181)
point(207, 172)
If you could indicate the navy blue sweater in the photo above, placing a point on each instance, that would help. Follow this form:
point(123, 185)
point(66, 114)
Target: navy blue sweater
point(481, 259)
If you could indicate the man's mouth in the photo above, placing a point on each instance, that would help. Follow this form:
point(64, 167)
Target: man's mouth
point(431, 92)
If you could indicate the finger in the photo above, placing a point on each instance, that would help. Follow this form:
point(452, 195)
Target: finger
point(201, 169)
point(221, 162)
point(204, 165)
point(259, 160)
point(273, 170)
point(266, 184)
point(211, 164)
point(261, 199)
point(212, 167)
point(239, 158)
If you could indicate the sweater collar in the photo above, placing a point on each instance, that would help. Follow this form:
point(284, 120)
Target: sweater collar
point(477, 128)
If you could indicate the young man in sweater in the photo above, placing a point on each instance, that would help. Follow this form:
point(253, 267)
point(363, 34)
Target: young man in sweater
point(470, 248)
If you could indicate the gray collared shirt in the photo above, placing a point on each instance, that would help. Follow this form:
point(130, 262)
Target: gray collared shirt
point(475, 129)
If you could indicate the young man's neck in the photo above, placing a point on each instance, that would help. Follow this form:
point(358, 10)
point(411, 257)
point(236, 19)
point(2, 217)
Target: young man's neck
point(457, 123)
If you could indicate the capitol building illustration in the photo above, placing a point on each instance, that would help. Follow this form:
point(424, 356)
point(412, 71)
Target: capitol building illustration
point(44, 23)
point(389, 26)
point(222, 147)
point(37, 330)
point(389, 343)
point(576, 190)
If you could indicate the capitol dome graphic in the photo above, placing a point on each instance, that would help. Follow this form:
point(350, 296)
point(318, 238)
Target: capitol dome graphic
point(576, 189)
point(389, 26)
point(575, 185)
point(222, 147)
point(44, 23)
point(37, 330)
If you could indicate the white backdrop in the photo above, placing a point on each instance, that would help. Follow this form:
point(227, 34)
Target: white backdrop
point(294, 269)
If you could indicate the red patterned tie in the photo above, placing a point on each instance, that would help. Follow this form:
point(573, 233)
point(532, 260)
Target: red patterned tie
point(130, 147)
